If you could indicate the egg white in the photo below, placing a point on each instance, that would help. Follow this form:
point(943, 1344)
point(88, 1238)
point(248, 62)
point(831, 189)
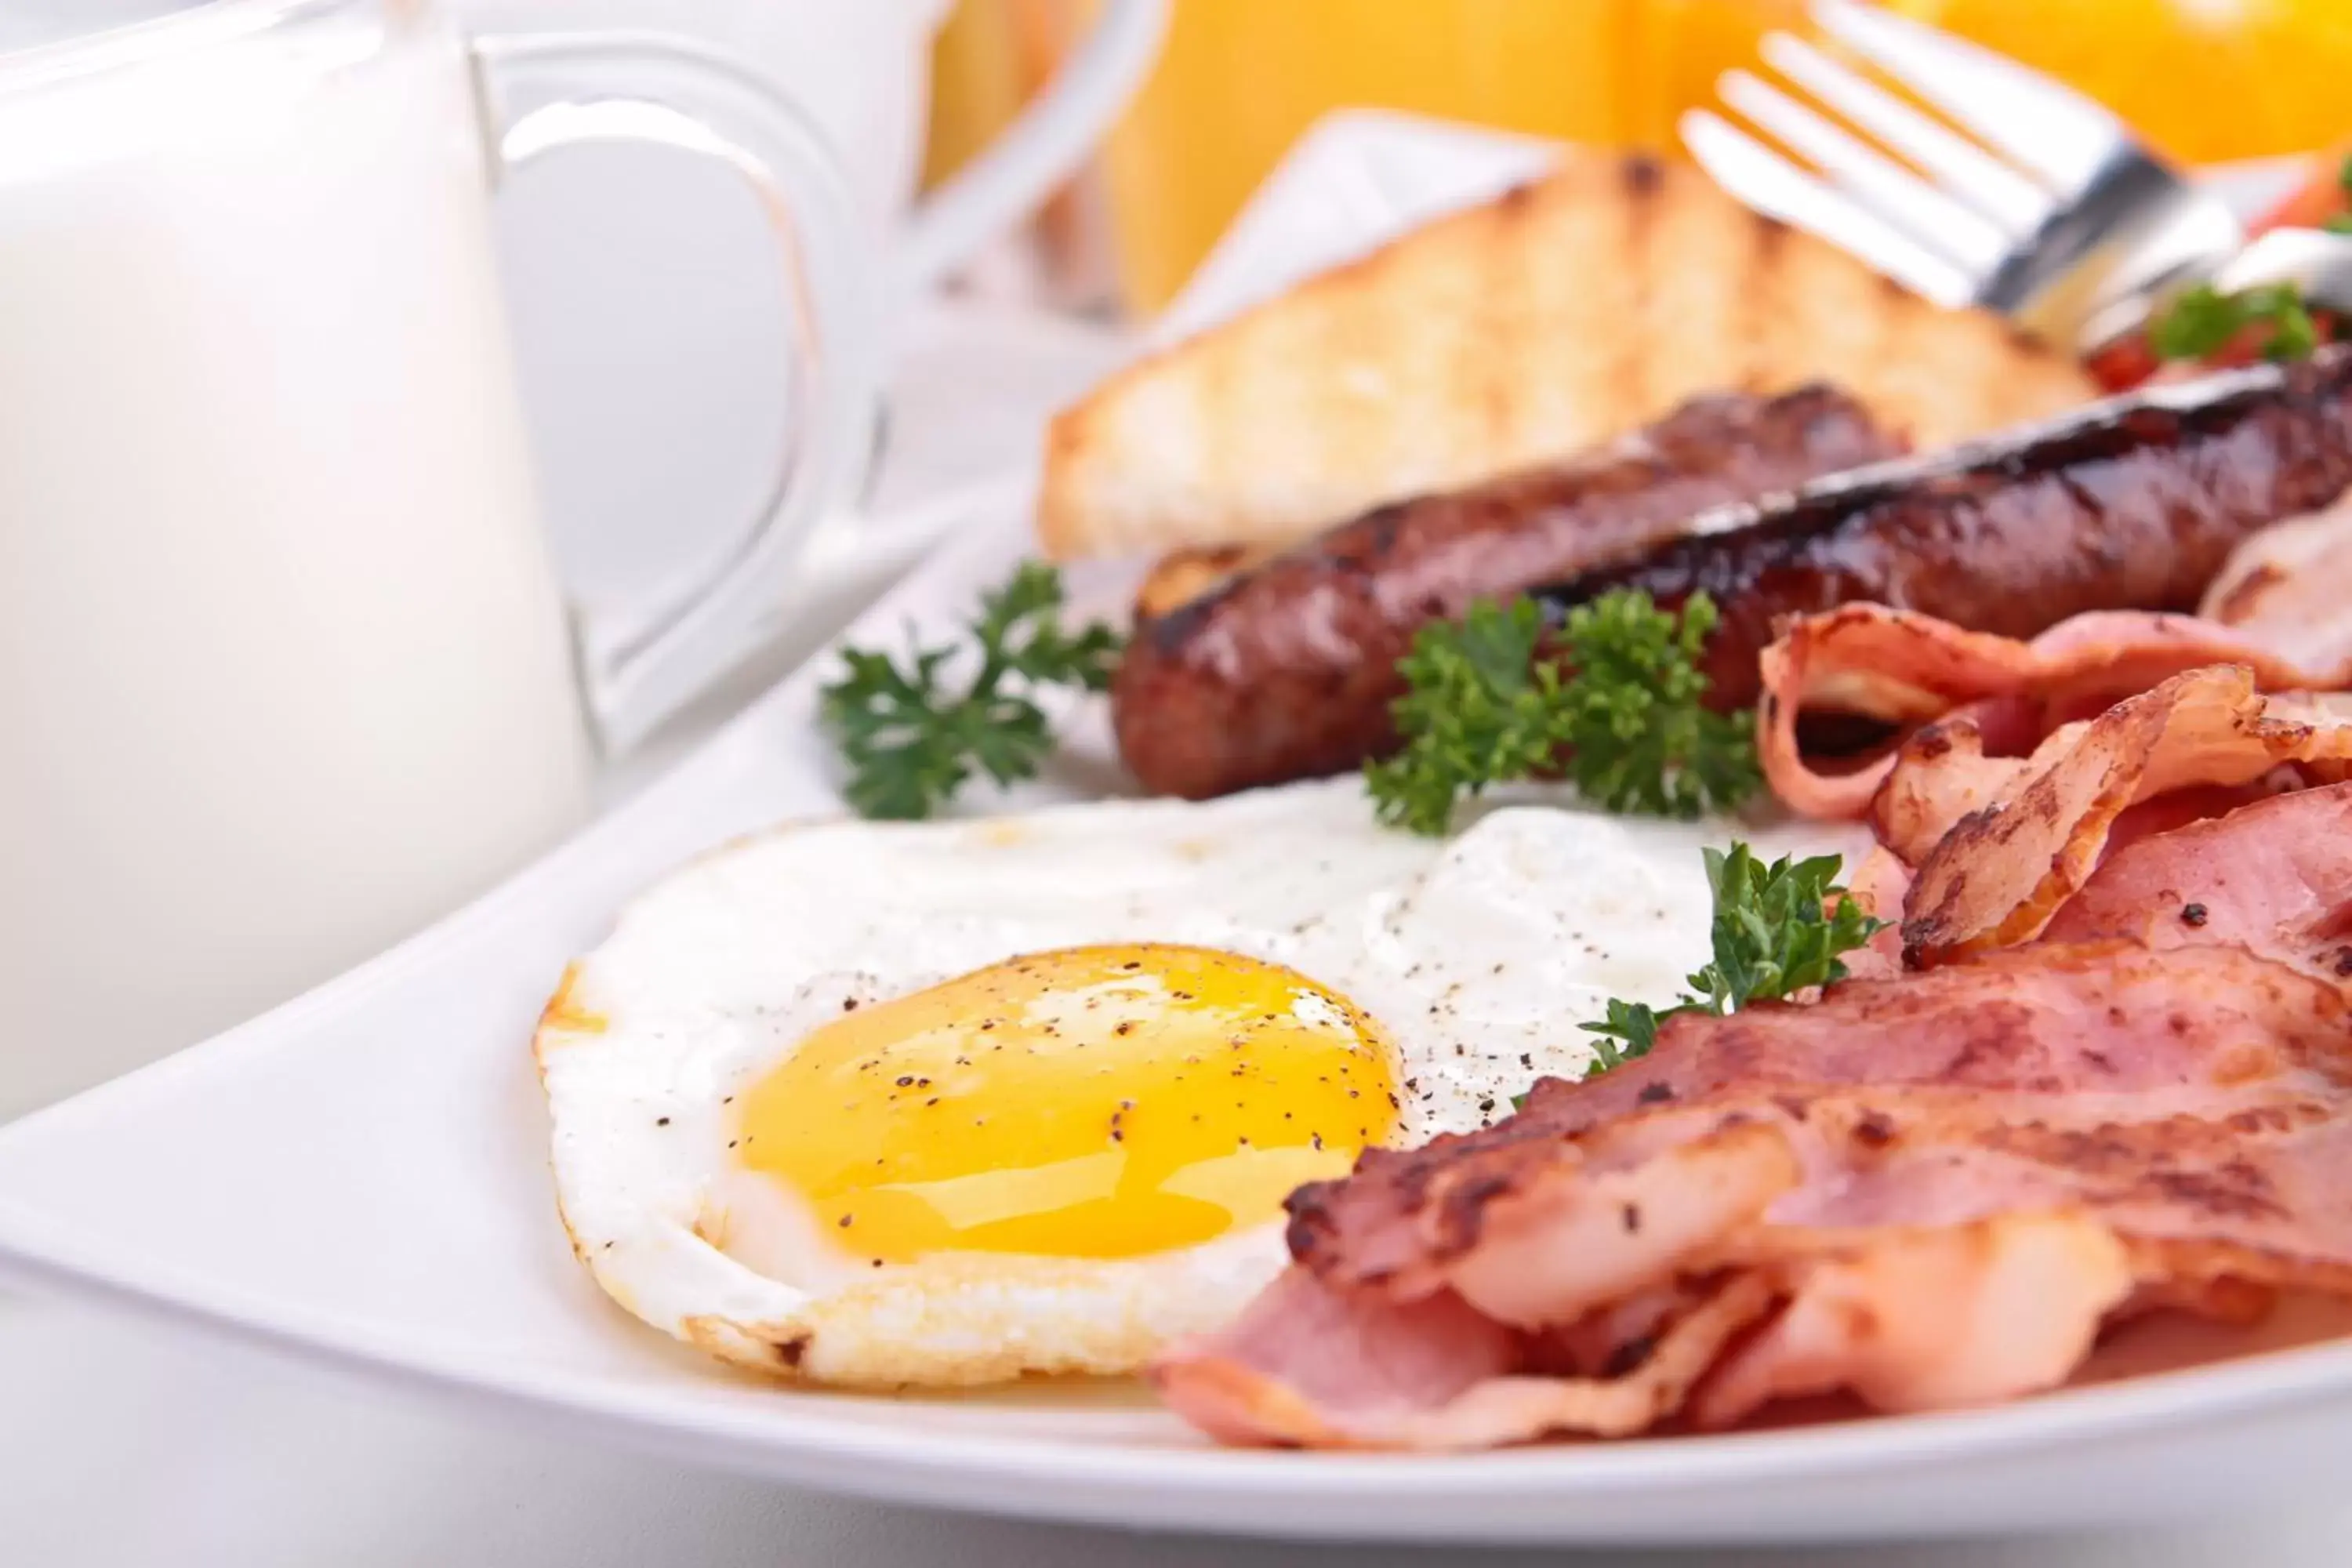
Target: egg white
point(1477, 955)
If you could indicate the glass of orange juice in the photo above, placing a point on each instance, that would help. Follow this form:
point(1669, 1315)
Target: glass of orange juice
point(1240, 79)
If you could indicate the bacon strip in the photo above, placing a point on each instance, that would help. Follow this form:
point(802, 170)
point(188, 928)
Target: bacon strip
point(2116, 1075)
point(2042, 1020)
point(2288, 581)
point(1361, 1372)
point(2034, 831)
point(2276, 608)
point(1944, 1183)
point(1959, 1316)
point(1907, 670)
point(2275, 877)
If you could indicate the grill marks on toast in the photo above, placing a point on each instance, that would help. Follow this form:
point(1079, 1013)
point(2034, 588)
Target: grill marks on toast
point(1511, 334)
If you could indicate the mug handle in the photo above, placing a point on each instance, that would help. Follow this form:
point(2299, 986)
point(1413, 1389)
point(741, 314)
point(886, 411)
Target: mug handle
point(546, 94)
point(1049, 139)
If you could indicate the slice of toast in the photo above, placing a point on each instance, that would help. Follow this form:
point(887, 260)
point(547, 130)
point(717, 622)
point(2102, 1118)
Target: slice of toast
point(1512, 333)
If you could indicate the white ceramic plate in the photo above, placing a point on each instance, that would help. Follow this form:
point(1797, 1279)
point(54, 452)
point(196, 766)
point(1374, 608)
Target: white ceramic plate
point(360, 1179)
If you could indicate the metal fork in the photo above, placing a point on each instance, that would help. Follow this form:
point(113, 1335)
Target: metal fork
point(2054, 215)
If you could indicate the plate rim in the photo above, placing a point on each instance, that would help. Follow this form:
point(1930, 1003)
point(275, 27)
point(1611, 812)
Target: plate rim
point(1099, 1482)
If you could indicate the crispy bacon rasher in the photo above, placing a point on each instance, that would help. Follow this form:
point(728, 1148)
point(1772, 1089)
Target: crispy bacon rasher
point(2007, 841)
point(2123, 1085)
point(1929, 1191)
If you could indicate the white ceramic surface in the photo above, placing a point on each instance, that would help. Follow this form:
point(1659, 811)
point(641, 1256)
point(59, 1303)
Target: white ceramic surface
point(358, 1180)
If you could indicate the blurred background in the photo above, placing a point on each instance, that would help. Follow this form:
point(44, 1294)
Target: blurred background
point(2207, 80)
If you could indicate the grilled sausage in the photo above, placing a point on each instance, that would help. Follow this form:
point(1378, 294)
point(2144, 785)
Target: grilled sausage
point(1286, 671)
point(2134, 504)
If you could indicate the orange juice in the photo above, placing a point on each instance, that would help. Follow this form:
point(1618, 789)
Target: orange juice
point(989, 57)
point(1242, 79)
point(2206, 79)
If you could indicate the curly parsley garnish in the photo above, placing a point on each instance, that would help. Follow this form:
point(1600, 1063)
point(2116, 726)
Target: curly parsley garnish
point(2203, 321)
point(1624, 723)
point(913, 736)
point(1778, 928)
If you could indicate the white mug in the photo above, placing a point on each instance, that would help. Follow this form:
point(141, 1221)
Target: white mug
point(284, 672)
point(647, 335)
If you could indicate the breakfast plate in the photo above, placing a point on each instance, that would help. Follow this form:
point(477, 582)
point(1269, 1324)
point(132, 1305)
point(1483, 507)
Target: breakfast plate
point(361, 1180)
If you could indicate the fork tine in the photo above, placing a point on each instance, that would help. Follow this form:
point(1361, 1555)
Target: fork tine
point(1933, 218)
point(1770, 184)
point(2053, 130)
point(1966, 170)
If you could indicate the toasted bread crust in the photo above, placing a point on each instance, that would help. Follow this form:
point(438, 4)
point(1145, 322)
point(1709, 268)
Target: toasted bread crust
point(1561, 314)
point(1183, 576)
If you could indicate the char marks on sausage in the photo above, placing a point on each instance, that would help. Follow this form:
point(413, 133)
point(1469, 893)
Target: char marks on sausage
point(1286, 670)
point(2136, 504)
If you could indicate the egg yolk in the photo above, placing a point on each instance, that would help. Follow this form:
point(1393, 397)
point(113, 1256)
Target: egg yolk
point(1095, 1102)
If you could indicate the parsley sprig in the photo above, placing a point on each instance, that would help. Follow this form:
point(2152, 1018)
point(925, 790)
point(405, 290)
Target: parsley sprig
point(913, 735)
point(1778, 928)
point(2203, 321)
point(1612, 698)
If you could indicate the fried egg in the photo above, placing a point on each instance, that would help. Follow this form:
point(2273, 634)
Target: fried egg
point(890, 1105)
